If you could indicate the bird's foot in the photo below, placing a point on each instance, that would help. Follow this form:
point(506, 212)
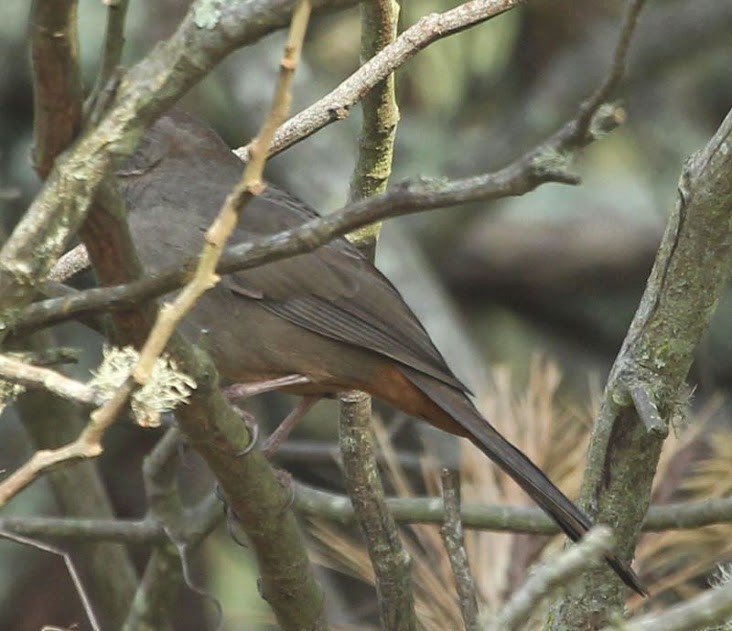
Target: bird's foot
point(285, 479)
point(252, 426)
point(232, 519)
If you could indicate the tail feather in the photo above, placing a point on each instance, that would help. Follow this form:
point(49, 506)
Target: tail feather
point(526, 474)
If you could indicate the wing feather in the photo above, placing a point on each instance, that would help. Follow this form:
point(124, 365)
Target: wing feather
point(335, 292)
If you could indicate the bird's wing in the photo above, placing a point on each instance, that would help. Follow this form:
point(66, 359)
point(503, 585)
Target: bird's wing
point(334, 291)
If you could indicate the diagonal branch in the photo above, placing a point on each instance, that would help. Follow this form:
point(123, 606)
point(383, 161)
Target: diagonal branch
point(206, 35)
point(690, 273)
point(552, 576)
point(708, 611)
point(617, 69)
point(337, 105)
point(70, 568)
point(548, 162)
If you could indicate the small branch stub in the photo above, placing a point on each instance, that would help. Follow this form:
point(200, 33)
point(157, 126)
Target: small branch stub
point(647, 411)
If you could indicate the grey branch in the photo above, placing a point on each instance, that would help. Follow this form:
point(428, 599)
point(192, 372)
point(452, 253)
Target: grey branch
point(337, 105)
point(391, 561)
point(32, 376)
point(704, 612)
point(547, 579)
point(338, 509)
point(452, 535)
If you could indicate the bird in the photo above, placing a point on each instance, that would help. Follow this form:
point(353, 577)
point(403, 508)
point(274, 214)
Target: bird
point(327, 317)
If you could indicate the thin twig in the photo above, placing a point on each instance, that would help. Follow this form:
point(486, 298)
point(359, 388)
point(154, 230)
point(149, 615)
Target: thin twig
point(452, 535)
point(74, 529)
point(616, 72)
point(114, 41)
point(85, 601)
point(51, 356)
point(32, 376)
point(518, 519)
point(705, 612)
point(552, 576)
point(87, 445)
point(337, 105)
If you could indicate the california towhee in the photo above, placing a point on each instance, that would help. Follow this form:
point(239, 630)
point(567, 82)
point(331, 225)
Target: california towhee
point(329, 315)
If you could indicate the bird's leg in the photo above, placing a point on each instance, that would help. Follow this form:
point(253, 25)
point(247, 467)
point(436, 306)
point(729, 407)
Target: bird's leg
point(246, 390)
point(277, 437)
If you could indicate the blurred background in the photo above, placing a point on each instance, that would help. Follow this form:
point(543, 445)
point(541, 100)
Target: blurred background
point(528, 298)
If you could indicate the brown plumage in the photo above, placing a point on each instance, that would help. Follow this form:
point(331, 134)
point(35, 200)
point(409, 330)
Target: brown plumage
point(328, 315)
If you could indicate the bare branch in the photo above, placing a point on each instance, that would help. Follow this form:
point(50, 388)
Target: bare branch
point(452, 535)
point(74, 261)
point(689, 276)
point(389, 558)
point(616, 72)
point(338, 509)
point(56, 80)
point(32, 376)
point(114, 41)
point(74, 529)
point(207, 34)
point(87, 445)
point(49, 421)
point(70, 568)
point(336, 105)
point(380, 117)
point(391, 562)
point(518, 519)
point(705, 612)
point(552, 576)
point(164, 571)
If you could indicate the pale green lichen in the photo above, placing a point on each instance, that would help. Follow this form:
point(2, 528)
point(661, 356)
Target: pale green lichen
point(166, 389)
point(9, 391)
point(206, 14)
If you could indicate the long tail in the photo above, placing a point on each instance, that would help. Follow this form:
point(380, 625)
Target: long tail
point(529, 477)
